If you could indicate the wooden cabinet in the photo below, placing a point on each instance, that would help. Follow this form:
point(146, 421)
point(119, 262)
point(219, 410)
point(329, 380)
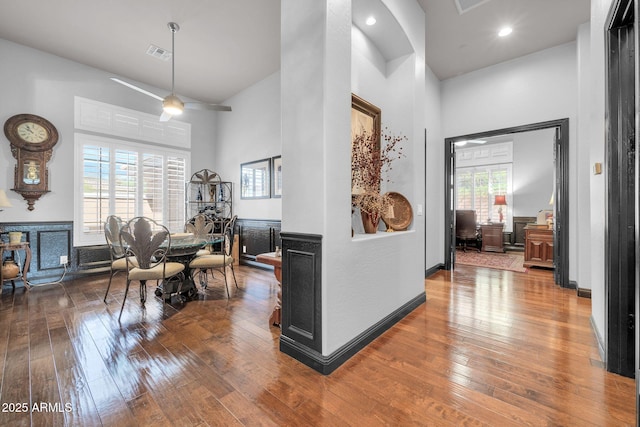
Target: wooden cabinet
point(492, 239)
point(538, 246)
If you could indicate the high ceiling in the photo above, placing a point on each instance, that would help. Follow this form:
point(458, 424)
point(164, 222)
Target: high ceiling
point(459, 43)
point(225, 46)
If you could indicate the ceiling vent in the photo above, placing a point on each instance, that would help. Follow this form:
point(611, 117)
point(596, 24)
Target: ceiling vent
point(466, 5)
point(158, 53)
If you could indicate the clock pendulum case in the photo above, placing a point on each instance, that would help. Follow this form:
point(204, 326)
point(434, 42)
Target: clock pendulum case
point(32, 139)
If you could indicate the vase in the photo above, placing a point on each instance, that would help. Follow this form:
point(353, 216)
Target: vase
point(369, 222)
point(10, 269)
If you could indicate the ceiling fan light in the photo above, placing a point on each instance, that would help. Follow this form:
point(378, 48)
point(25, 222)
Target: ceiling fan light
point(172, 105)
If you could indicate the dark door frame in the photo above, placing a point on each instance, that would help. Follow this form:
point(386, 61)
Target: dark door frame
point(561, 206)
point(621, 189)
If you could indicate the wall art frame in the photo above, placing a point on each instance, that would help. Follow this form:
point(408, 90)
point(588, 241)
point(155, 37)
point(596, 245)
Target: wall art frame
point(255, 179)
point(276, 176)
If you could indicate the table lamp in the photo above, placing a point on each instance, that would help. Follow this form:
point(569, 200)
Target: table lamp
point(500, 201)
point(4, 203)
point(4, 200)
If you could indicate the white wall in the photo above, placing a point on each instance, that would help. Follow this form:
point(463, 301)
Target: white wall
point(434, 204)
point(35, 82)
point(250, 132)
point(535, 88)
point(358, 289)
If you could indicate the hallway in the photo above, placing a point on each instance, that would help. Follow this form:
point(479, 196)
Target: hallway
point(489, 347)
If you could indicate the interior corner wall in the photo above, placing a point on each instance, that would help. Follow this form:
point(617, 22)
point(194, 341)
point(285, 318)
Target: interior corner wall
point(250, 132)
point(584, 162)
point(596, 147)
point(539, 87)
point(434, 174)
point(36, 82)
point(357, 289)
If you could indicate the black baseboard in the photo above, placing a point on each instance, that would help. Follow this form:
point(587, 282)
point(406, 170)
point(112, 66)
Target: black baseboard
point(584, 293)
point(433, 270)
point(327, 364)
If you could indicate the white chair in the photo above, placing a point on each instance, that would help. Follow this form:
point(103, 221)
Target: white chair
point(147, 243)
point(116, 251)
point(220, 261)
point(201, 226)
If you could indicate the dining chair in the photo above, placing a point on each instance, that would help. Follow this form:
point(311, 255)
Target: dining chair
point(112, 227)
point(148, 243)
point(219, 261)
point(201, 226)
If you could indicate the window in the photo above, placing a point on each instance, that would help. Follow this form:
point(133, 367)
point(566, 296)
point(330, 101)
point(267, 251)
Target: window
point(123, 169)
point(128, 180)
point(476, 188)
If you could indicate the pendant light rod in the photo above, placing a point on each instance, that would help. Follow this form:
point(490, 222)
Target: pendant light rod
point(174, 29)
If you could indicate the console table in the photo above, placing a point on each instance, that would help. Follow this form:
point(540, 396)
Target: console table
point(538, 246)
point(13, 247)
point(492, 240)
point(270, 258)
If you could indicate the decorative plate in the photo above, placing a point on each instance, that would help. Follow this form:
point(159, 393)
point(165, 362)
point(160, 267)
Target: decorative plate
point(402, 213)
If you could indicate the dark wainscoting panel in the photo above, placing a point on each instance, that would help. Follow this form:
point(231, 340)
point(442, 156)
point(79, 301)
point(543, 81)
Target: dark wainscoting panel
point(519, 223)
point(302, 289)
point(257, 236)
point(48, 241)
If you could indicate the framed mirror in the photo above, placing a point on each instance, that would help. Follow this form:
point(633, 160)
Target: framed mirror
point(365, 119)
point(255, 179)
point(276, 179)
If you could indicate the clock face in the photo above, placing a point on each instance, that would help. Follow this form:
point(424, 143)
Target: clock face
point(32, 132)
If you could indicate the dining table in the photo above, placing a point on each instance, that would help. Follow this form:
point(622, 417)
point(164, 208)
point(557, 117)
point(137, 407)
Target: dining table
point(183, 249)
point(274, 259)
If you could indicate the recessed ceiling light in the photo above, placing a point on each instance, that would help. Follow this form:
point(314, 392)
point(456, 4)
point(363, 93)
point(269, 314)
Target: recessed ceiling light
point(505, 31)
point(370, 20)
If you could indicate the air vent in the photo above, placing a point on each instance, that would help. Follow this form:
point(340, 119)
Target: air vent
point(466, 5)
point(159, 53)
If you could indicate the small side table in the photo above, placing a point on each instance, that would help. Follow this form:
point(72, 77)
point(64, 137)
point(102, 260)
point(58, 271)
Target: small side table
point(13, 247)
point(270, 258)
point(492, 240)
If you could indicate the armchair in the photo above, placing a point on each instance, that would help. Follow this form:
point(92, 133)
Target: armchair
point(466, 228)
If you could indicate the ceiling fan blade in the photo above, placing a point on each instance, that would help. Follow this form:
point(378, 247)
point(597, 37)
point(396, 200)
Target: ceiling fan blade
point(202, 106)
point(164, 117)
point(129, 85)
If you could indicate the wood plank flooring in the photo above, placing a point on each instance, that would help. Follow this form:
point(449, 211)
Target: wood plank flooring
point(489, 348)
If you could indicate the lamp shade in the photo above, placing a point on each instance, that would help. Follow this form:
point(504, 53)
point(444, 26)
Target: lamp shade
point(500, 200)
point(4, 200)
point(172, 105)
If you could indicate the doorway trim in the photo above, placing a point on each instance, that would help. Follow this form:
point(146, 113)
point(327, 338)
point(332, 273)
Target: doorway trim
point(621, 191)
point(561, 206)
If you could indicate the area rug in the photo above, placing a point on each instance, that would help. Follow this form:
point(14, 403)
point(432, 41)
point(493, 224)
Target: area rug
point(507, 261)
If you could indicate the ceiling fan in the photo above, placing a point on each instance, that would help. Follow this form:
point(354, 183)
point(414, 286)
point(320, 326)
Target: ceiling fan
point(171, 104)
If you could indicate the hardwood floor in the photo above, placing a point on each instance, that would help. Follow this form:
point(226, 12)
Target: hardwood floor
point(489, 347)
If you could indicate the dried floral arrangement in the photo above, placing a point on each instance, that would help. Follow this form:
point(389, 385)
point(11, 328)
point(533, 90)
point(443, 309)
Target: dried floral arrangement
point(371, 162)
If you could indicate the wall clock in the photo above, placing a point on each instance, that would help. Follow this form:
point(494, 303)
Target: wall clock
point(32, 139)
